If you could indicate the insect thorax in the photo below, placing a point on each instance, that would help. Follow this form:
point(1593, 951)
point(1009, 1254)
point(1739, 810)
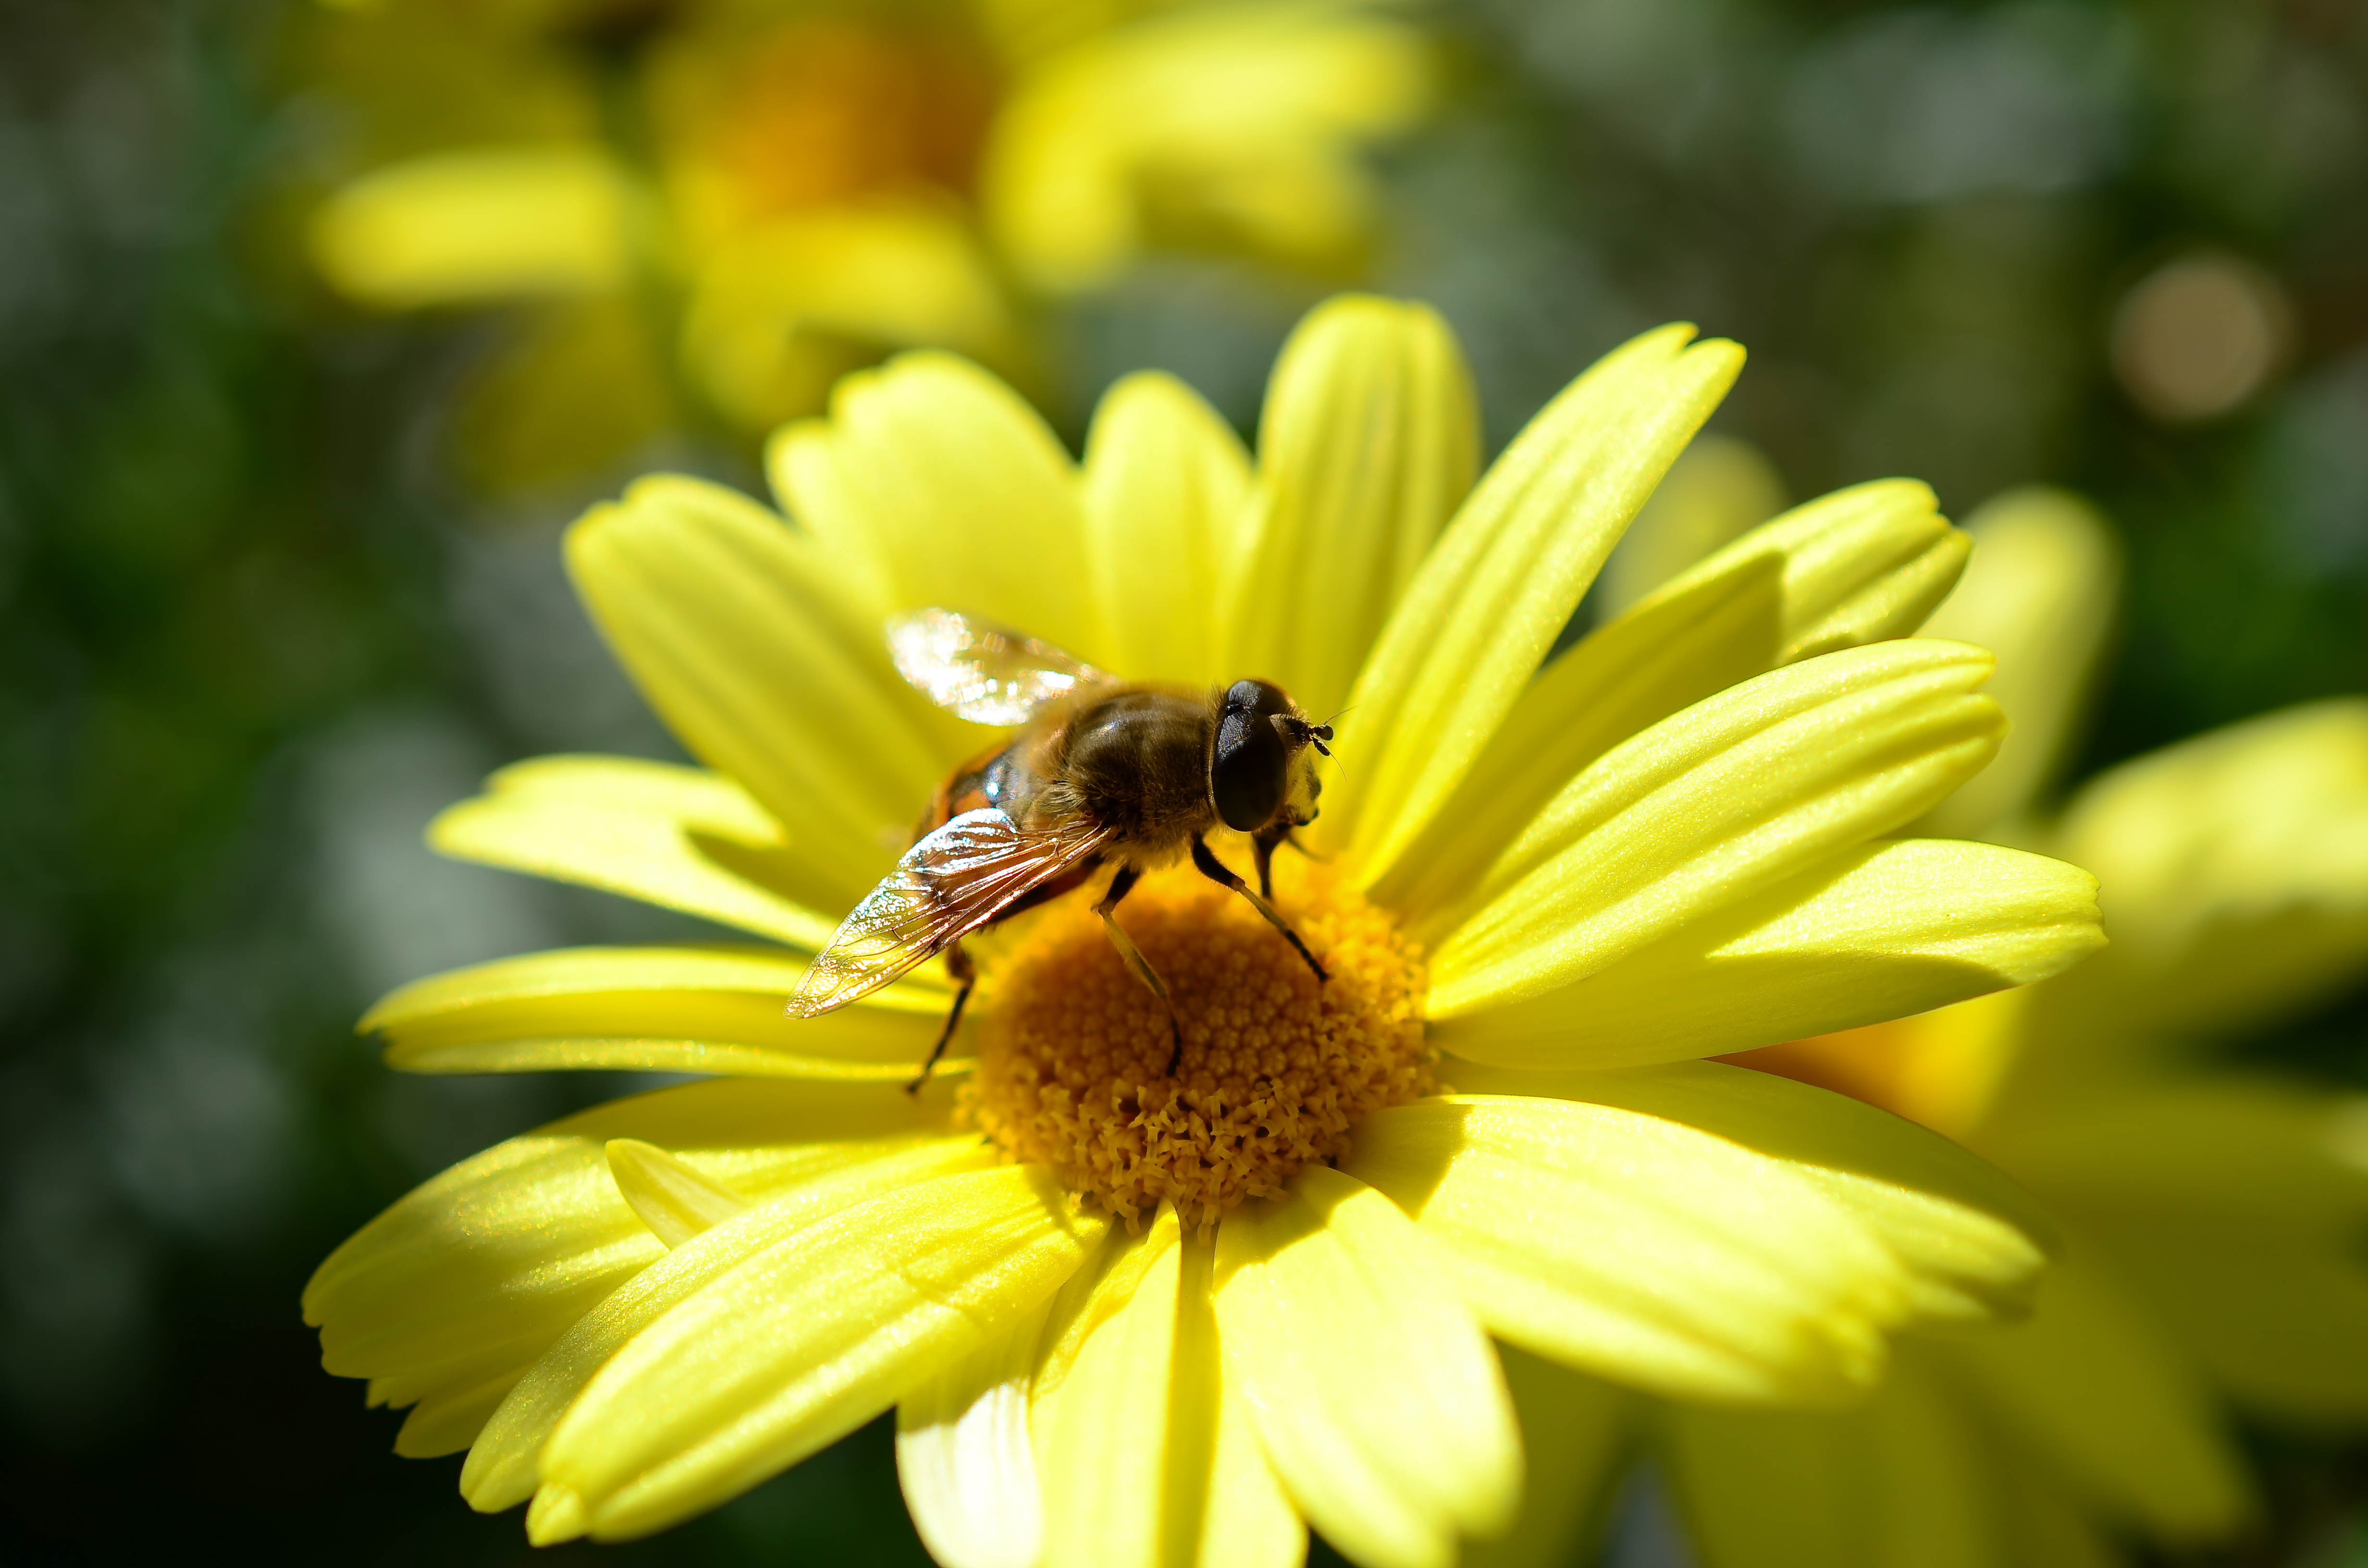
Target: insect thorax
point(1138, 762)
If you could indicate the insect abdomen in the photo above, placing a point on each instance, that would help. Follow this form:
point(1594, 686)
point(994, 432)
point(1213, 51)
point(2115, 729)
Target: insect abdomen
point(1000, 779)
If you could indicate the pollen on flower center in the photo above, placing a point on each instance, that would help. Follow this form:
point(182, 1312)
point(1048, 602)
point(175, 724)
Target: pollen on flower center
point(1277, 1068)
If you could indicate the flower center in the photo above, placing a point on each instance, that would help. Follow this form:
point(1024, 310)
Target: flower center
point(1277, 1068)
point(818, 110)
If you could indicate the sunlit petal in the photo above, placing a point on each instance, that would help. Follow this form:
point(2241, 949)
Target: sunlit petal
point(484, 1266)
point(1369, 443)
point(966, 1459)
point(1857, 566)
point(1489, 600)
point(448, 1418)
point(943, 487)
point(1971, 1240)
point(680, 837)
point(1167, 484)
point(1712, 805)
point(800, 1344)
point(1104, 1408)
point(501, 1472)
point(712, 1009)
point(1883, 932)
point(672, 1198)
point(1314, 1294)
point(1748, 1257)
point(766, 664)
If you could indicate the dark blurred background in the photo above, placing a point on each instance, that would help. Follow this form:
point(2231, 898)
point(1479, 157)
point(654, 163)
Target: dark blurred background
point(254, 629)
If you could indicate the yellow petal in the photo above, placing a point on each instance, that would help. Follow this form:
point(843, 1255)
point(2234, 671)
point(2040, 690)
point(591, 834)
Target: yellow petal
point(2234, 1206)
point(1239, 124)
point(1369, 442)
point(771, 311)
point(804, 1341)
point(1645, 1250)
point(501, 1472)
point(1242, 1517)
point(2092, 1384)
point(680, 837)
point(1902, 1483)
point(478, 224)
point(2040, 595)
point(1857, 566)
point(1575, 1433)
point(1370, 1385)
point(712, 1009)
point(1639, 1249)
point(2236, 874)
point(1489, 600)
point(965, 1458)
point(1712, 805)
point(1968, 1240)
point(447, 1421)
point(1882, 932)
point(673, 1200)
point(1166, 482)
point(2227, 1152)
point(1148, 1455)
point(946, 489)
point(2276, 1327)
point(1105, 1406)
point(484, 1266)
point(1719, 486)
point(758, 655)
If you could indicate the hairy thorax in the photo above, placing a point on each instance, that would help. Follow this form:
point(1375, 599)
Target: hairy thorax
point(1137, 762)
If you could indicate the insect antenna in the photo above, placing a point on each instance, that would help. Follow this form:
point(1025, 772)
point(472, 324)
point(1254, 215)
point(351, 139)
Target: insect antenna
point(1317, 735)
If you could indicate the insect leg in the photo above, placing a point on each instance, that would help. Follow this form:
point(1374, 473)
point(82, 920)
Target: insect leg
point(1218, 872)
point(965, 976)
point(1263, 846)
point(1120, 885)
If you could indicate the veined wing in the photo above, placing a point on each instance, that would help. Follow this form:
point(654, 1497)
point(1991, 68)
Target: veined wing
point(987, 673)
point(952, 881)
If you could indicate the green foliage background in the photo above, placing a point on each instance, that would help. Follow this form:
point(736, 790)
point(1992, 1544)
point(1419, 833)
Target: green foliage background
point(252, 632)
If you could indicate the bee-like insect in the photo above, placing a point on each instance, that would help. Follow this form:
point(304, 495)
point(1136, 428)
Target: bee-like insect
point(1128, 773)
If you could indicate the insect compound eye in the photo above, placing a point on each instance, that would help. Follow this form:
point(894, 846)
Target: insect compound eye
point(1252, 766)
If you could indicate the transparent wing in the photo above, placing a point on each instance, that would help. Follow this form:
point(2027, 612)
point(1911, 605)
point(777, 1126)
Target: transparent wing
point(983, 671)
point(954, 880)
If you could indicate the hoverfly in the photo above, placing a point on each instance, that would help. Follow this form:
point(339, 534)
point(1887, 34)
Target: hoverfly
point(1128, 773)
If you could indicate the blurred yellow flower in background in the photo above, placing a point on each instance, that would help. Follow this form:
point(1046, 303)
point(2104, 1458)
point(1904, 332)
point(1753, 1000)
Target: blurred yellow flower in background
point(2212, 1214)
point(746, 199)
point(1129, 1316)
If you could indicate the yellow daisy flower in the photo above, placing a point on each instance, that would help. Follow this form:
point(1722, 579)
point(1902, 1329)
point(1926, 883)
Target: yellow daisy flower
point(2213, 1213)
point(1129, 1314)
point(772, 192)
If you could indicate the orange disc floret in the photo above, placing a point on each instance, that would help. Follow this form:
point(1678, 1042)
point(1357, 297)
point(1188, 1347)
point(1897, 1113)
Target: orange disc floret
point(1276, 1069)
